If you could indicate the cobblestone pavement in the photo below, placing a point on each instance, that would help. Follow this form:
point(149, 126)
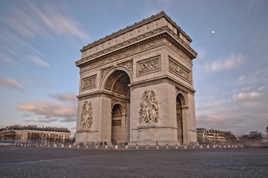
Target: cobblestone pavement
point(59, 163)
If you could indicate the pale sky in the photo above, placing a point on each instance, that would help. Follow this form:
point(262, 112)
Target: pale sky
point(41, 40)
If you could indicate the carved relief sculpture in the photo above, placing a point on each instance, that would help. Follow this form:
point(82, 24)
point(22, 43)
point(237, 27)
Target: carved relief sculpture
point(179, 70)
point(88, 82)
point(149, 108)
point(86, 116)
point(148, 66)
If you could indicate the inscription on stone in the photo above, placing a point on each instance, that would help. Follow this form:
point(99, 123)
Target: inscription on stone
point(148, 66)
point(179, 70)
point(88, 82)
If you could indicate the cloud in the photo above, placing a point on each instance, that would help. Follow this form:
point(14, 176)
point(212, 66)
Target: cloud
point(50, 109)
point(245, 111)
point(255, 78)
point(65, 97)
point(226, 64)
point(38, 61)
point(62, 25)
point(32, 21)
point(246, 96)
point(212, 105)
point(10, 83)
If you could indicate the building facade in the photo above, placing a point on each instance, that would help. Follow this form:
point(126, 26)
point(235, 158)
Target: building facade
point(35, 134)
point(136, 86)
point(206, 136)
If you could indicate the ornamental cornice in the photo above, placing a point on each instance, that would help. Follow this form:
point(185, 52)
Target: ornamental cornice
point(160, 32)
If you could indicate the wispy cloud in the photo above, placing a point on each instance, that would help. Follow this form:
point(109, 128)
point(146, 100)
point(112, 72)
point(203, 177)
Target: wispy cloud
point(49, 109)
point(231, 62)
point(10, 83)
point(245, 111)
point(39, 61)
point(63, 109)
point(65, 97)
point(246, 95)
point(33, 21)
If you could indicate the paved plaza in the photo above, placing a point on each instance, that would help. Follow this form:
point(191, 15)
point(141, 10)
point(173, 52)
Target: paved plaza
point(50, 162)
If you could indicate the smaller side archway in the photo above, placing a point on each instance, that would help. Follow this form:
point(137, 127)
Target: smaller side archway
point(180, 102)
point(117, 118)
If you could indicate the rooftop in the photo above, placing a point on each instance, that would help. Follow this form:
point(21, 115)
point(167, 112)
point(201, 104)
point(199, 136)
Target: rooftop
point(34, 127)
point(136, 25)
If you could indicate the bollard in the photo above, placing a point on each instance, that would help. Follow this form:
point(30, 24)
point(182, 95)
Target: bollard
point(167, 146)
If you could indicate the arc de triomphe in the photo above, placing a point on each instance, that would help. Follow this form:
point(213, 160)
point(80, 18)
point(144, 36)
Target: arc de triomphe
point(136, 86)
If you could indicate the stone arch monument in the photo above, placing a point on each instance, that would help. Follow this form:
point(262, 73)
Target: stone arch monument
point(136, 86)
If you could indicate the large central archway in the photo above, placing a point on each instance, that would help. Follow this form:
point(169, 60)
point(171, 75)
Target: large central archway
point(118, 85)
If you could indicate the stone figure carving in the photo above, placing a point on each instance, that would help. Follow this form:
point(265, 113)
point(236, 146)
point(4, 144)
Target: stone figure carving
point(149, 108)
point(179, 70)
point(88, 82)
point(86, 116)
point(148, 66)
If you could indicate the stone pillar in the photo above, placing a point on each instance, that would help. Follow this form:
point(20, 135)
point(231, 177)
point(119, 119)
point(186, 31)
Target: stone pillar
point(164, 130)
point(105, 118)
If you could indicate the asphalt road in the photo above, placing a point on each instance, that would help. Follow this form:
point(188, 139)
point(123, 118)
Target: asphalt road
point(44, 162)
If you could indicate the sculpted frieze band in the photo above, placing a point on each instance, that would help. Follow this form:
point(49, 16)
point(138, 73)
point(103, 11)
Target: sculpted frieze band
point(148, 66)
point(126, 36)
point(88, 83)
point(124, 44)
point(124, 54)
point(179, 70)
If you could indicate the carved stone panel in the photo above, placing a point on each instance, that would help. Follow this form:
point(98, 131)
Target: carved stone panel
point(179, 70)
point(148, 66)
point(88, 82)
point(86, 116)
point(149, 108)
